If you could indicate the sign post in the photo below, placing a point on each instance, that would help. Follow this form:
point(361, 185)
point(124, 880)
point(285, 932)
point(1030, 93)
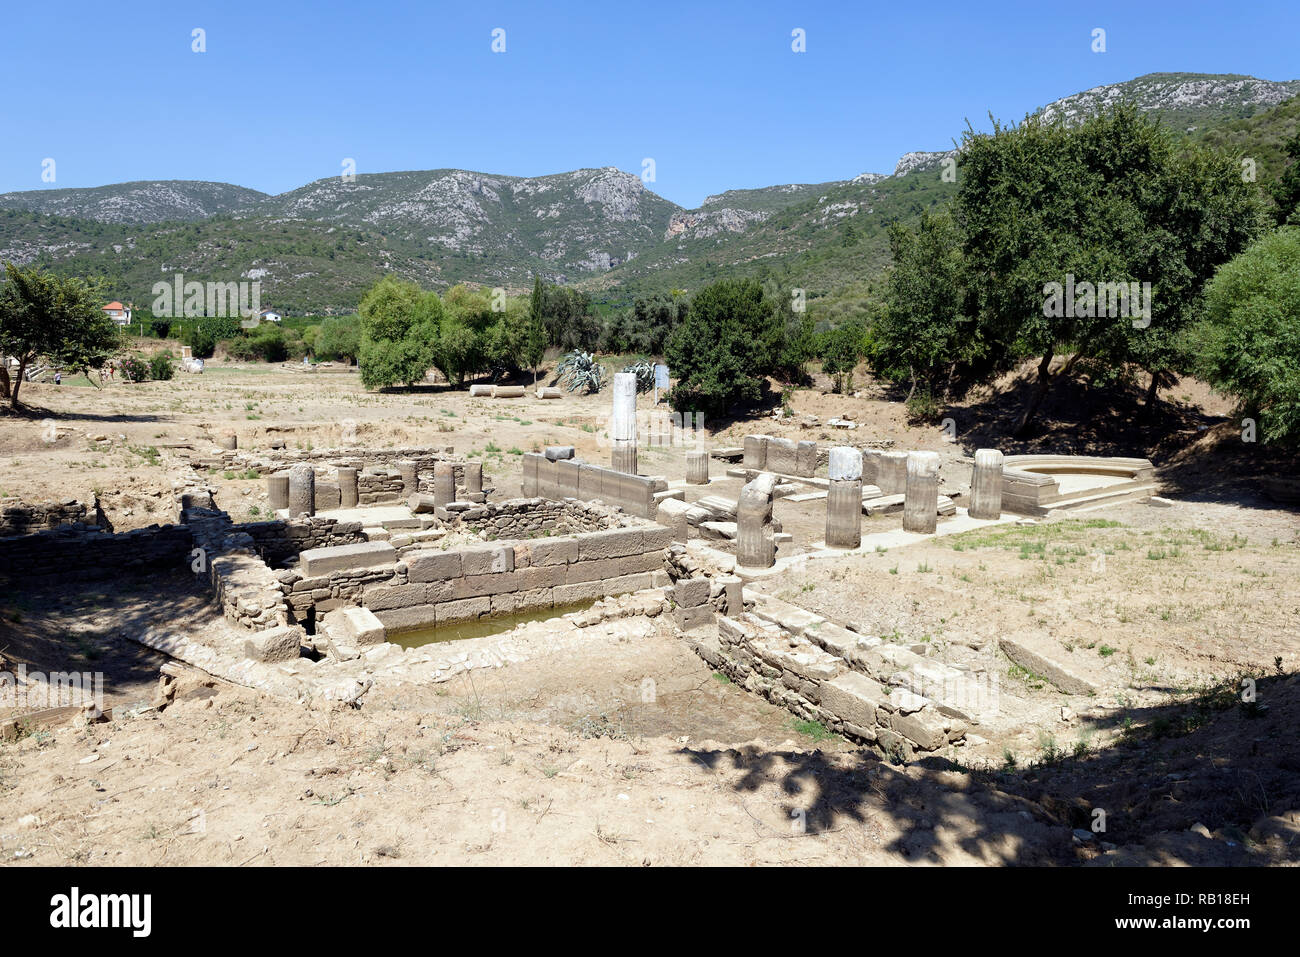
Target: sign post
point(661, 379)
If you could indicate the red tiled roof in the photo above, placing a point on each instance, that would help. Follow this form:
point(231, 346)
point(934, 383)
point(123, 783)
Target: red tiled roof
point(114, 305)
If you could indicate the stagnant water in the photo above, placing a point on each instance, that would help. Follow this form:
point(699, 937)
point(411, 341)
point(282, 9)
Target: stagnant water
point(480, 627)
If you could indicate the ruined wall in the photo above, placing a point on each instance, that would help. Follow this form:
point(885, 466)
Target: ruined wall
point(432, 585)
point(568, 478)
point(521, 518)
point(278, 539)
point(73, 552)
point(25, 518)
point(242, 584)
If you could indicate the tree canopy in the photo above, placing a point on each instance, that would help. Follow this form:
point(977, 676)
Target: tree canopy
point(55, 318)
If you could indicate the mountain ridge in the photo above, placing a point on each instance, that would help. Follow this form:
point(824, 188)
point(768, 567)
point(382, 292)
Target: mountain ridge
point(316, 247)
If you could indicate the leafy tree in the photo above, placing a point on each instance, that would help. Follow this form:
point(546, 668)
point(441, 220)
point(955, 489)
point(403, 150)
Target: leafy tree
point(569, 320)
point(842, 348)
point(201, 341)
point(1286, 191)
point(160, 328)
point(729, 341)
point(456, 352)
point(927, 333)
point(535, 340)
point(1110, 201)
point(399, 330)
point(61, 320)
point(338, 338)
point(1249, 343)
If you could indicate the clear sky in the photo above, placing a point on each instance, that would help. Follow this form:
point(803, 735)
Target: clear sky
point(712, 92)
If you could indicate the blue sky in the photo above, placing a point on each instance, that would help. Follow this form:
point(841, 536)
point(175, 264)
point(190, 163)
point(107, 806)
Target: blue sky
point(712, 92)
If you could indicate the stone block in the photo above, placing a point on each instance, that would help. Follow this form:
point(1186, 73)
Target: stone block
point(691, 592)
point(556, 551)
point(583, 591)
point(487, 561)
point(923, 728)
point(396, 620)
point(281, 643)
point(611, 544)
point(432, 566)
point(628, 583)
point(322, 561)
point(492, 583)
point(465, 609)
point(385, 597)
point(853, 697)
point(354, 626)
point(688, 619)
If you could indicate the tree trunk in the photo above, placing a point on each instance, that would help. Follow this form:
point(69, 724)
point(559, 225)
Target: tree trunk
point(18, 382)
point(4, 378)
point(1150, 402)
point(1037, 394)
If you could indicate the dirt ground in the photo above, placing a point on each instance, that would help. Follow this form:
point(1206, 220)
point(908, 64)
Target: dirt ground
point(556, 760)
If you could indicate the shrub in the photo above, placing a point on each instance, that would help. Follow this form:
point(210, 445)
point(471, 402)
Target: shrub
point(1249, 344)
point(161, 368)
point(923, 407)
point(135, 369)
point(580, 371)
point(722, 350)
point(201, 341)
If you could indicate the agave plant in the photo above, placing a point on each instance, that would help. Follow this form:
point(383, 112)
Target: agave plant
point(645, 375)
point(580, 370)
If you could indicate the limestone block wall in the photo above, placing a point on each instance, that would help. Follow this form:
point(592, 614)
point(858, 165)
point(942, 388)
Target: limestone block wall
point(433, 586)
point(73, 552)
point(25, 518)
point(569, 478)
point(839, 678)
point(277, 540)
point(314, 595)
point(266, 462)
point(243, 586)
point(522, 518)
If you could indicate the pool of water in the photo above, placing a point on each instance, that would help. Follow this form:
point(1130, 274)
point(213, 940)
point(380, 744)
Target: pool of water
point(480, 627)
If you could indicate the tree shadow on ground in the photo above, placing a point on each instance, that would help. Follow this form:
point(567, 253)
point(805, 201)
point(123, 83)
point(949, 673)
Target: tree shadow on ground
point(1206, 760)
point(1198, 456)
point(37, 413)
point(35, 630)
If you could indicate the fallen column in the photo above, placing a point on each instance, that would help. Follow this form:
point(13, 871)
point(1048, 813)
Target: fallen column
point(986, 485)
point(844, 499)
point(921, 493)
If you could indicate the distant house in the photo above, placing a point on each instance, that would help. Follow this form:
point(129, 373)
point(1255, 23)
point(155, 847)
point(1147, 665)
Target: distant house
point(118, 313)
point(268, 315)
